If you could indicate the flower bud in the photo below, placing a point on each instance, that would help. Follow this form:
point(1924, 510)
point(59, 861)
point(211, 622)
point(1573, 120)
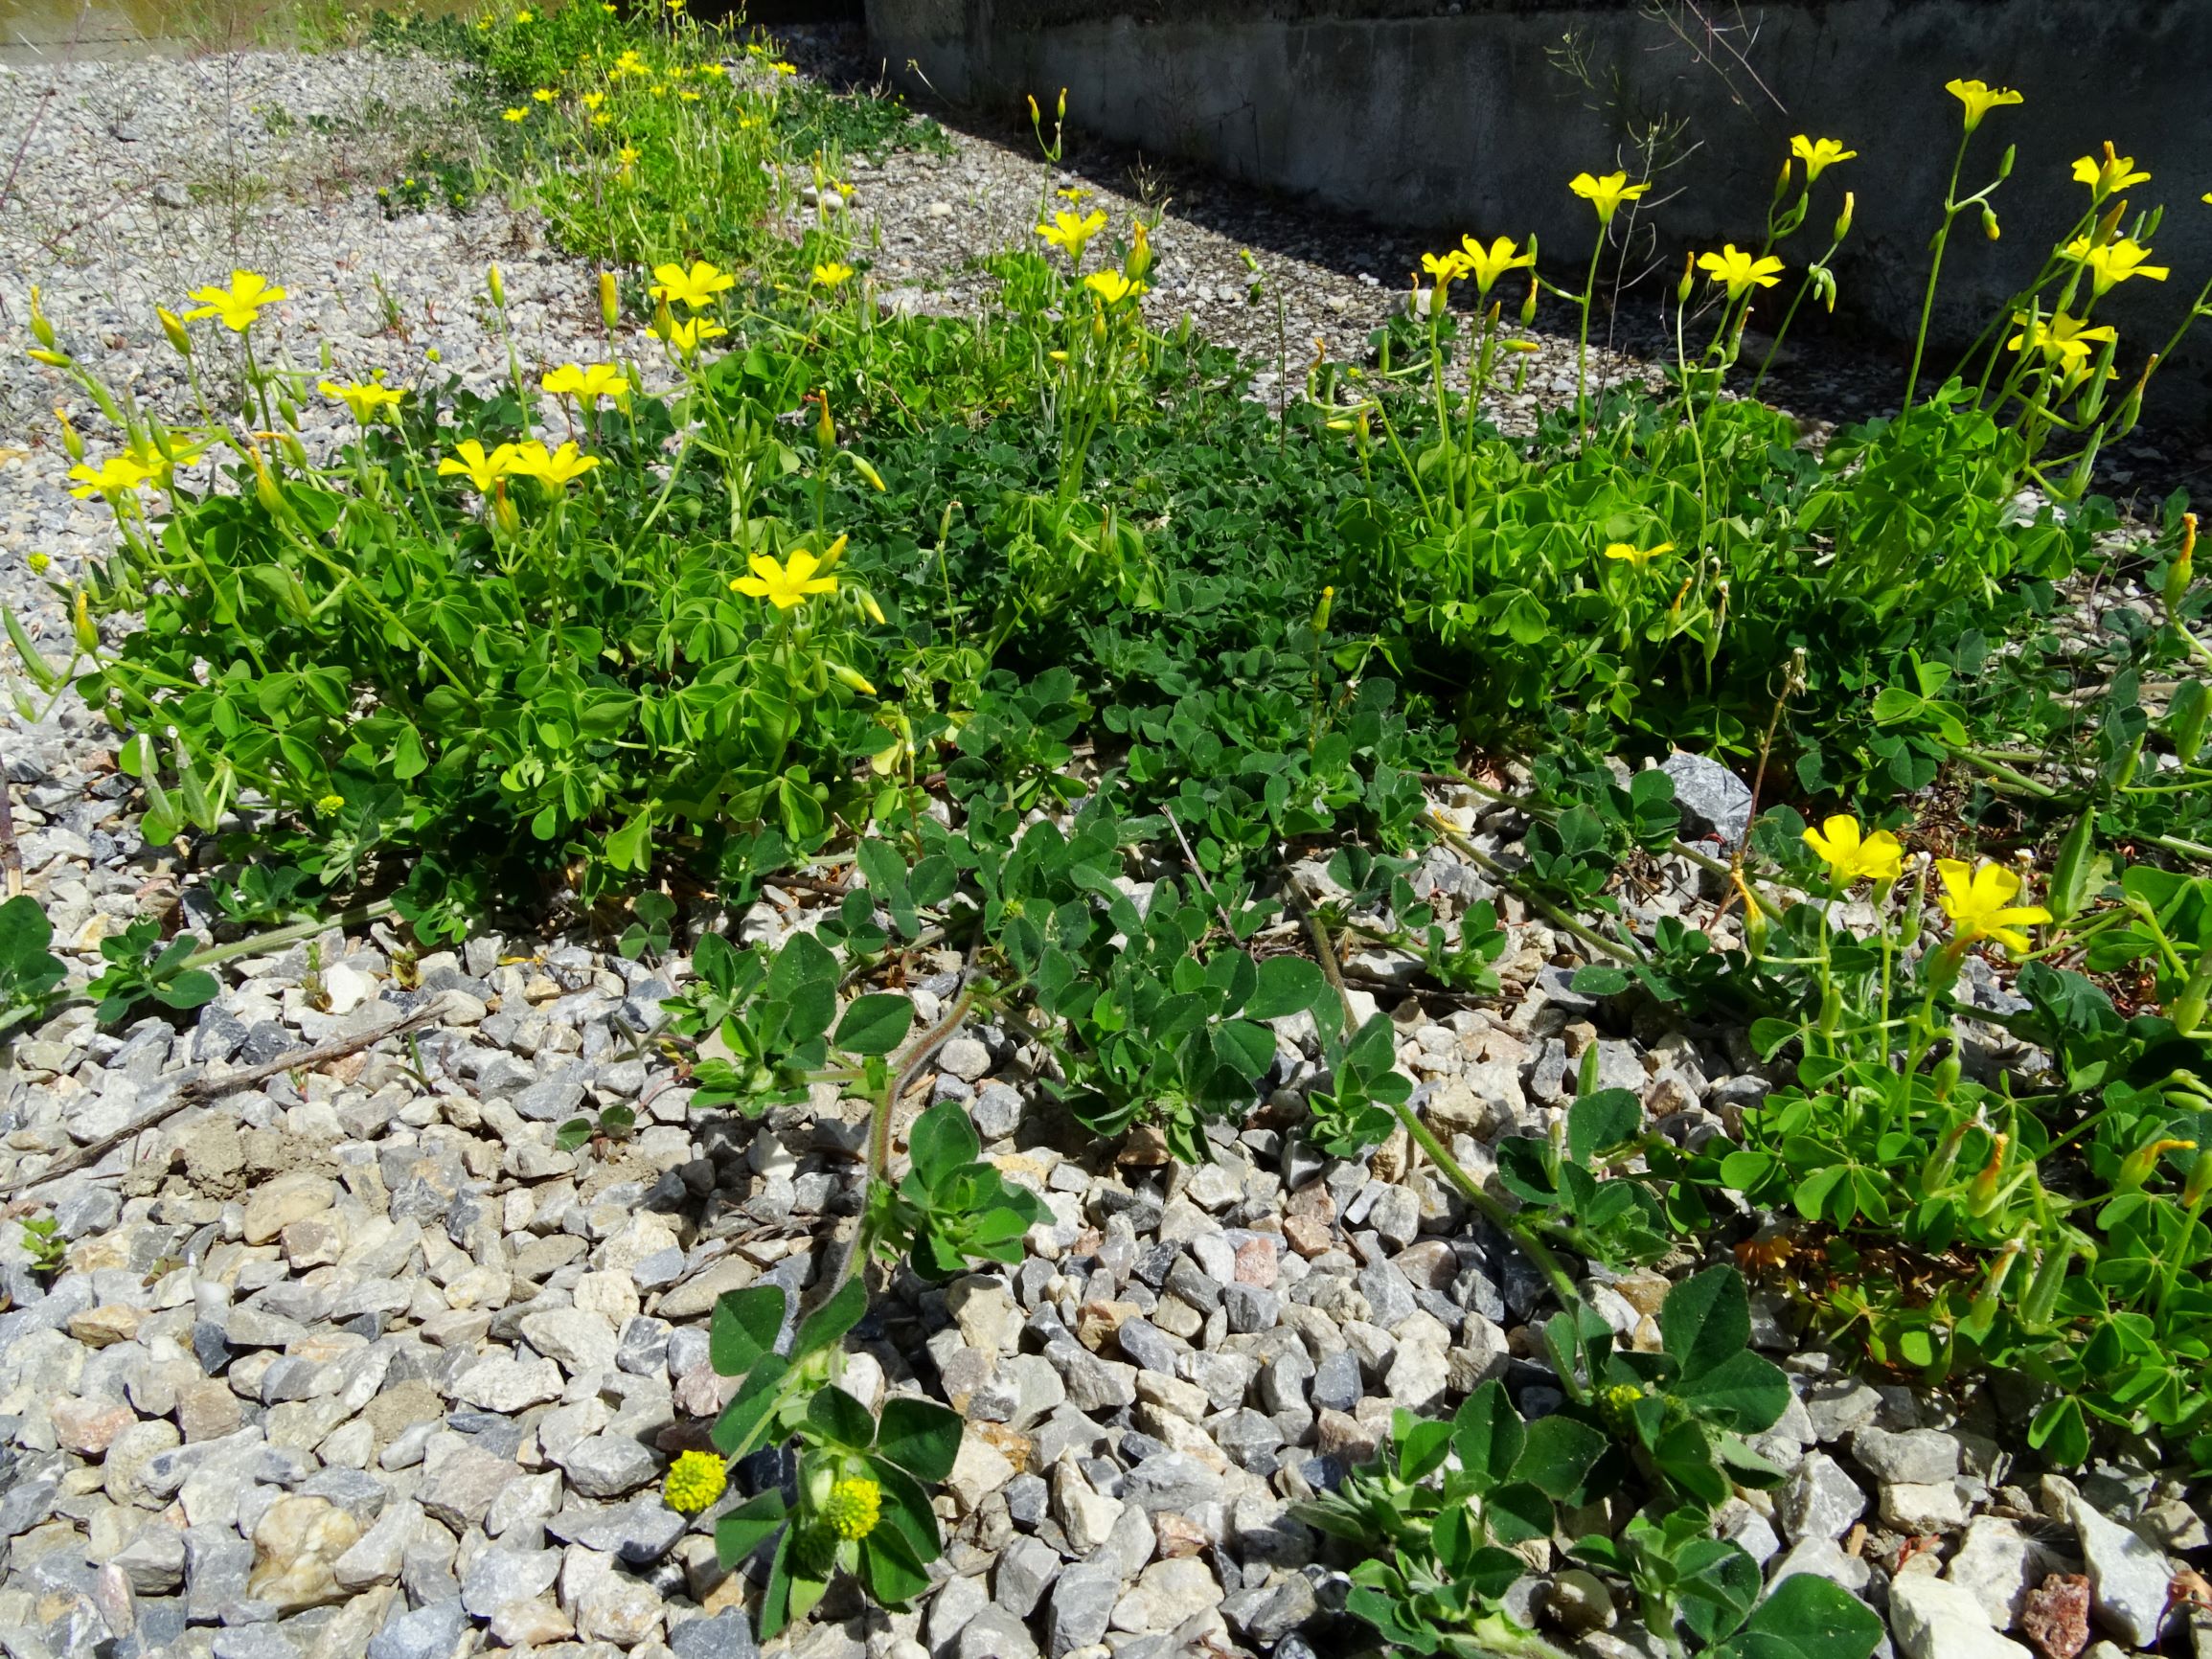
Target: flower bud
point(1981, 1193)
point(1843, 219)
point(867, 605)
point(1782, 180)
point(850, 678)
point(1035, 115)
point(1061, 114)
point(41, 329)
point(51, 360)
point(2107, 225)
point(492, 281)
point(503, 510)
point(80, 624)
point(866, 471)
point(1528, 305)
point(71, 440)
point(1989, 222)
point(609, 301)
point(826, 428)
point(2137, 1167)
point(1321, 610)
point(265, 489)
point(2184, 570)
point(1689, 278)
point(2199, 1186)
point(2005, 162)
point(830, 559)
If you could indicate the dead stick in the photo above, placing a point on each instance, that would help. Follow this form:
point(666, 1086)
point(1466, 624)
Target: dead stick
point(193, 1090)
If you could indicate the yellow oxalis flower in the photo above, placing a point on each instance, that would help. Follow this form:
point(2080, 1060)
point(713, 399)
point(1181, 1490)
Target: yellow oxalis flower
point(1818, 154)
point(1980, 98)
point(695, 1480)
point(1850, 855)
point(1071, 233)
point(114, 477)
point(855, 1506)
point(545, 95)
point(556, 468)
point(589, 383)
point(2109, 176)
point(366, 398)
point(1444, 268)
point(160, 468)
point(468, 461)
point(2063, 339)
point(2111, 263)
point(832, 274)
point(1485, 265)
point(514, 115)
point(1112, 287)
point(1629, 553)
point(1979, 904)
point(1606, 193)
point(1738, 271)
point(239, 303)
point(695, 287)
point(686, 337)
point(785, 586)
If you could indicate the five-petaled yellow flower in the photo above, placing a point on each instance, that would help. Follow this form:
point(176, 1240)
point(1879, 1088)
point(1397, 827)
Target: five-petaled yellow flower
point(1738, 271)
point(555, 470)
point(366, 398)
point(685, 337)
point(1818, 154)
point(115, 476)
point(468, 461)
point(1071, 233)
point(1485, 265)
point(832, 274)
point(1850, 855)
point(160, 466)
point(2062, 339)
point(545, 95)
point(1629, 553)
point(1979, 904)
point(514, 115)
point(1446, 268)
point(1606, 193)
point(1980, 98)
point(239, 303)
point(2112, 262)
point(2109, 176)
point(1112, 287)
point(589, 383)
point(785, 586)
point(695, 287)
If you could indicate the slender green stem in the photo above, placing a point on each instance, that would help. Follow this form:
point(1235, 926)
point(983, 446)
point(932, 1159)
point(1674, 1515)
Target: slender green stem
point(1950, 210)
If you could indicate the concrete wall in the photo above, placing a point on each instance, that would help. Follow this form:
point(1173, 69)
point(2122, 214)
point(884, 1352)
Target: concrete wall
point(1458, 118)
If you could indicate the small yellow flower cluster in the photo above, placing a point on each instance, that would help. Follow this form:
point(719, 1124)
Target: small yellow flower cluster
point(694, 1482)
point(1483, 265)
point(855, 1504)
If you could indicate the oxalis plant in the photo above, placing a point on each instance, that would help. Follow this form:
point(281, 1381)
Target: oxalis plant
point(1445, 1505)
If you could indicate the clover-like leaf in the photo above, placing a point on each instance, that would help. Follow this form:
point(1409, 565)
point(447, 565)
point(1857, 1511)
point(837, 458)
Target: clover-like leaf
point(920, 1435)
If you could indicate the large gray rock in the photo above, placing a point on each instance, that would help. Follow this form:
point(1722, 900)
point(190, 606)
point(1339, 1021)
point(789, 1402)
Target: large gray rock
point(1083, 1602)
point(1935, 1620)
point(1819, 1500)
point(1919, 1457)
point(2127, 1578)
point(431, 1632)
point(1997, 1564)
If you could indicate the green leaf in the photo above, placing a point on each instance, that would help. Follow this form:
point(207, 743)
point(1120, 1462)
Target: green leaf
point(1245, 1047)
point(1807, 1618)
point(1599, 980)
point(1288, 984)
point(829, 1322)
point(920, 1435)
point(942, 1141)
point(572, 1134)
point(1487, 1435)
point(1745, 1391)
point(2058, 1431)
point(735, 1430)
point(1601, 1121)
point(888, 1568)
point(875, 1024)
point(1558, 1454)
point(745, 1325)
point(1705, 1319)
point(1421, 1445)
point(1518, 1512)
point(839, 1418)
point(743, 1529)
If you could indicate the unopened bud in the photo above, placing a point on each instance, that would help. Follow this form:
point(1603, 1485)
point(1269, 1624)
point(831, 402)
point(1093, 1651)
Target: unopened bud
point(492, 281)
point(80, 624)
point(265, 489)
point(503, 510)
point(41, 329)
point(851, 679)
point(2109, 224)
point(1843, 219)
point(1782, 180)
point(1528, 305)
point(1689, 279)
point(609, 301)
point(1989, 222)
point(1035, 115)
point(2005, 162)
point(830, 559)
point(826, 428)
point(71, 439)
point(1061, 114)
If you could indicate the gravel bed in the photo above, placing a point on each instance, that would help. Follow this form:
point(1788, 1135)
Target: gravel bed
point(355, 1360)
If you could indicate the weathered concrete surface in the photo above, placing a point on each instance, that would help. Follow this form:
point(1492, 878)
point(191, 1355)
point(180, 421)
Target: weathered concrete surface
point(1466, 120)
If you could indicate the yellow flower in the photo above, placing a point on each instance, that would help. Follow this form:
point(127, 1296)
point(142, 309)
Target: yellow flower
point(685, 337)
point(1818, 154)
point(854, 1507)
point(589, 383)
point(330, 804)
point(1638, 556)
point(626, 155)
point(1739, 271)
point(1980, 98)
point(784, 68)
point(2109, 176)
point(522, 16)
point(239, 304)
point(468, 461)
point(115, 476)
point(1112, 287)
point(38, 561)
point(555, 470)
point(160, 467)
point(514, 115)
point(695, 287)
point(1444, 268)
point(1071, 233)
point(831, 274)
point(593, 99)
point(1072, 192)
point(1606, 193)
point(1850, 855)
point(2062, 339)
point(785, 586)
point(603, 118)
point(545, 95)
point(1485, 265)
point(2111, 263)
point(1979, 904)
point(366, 398)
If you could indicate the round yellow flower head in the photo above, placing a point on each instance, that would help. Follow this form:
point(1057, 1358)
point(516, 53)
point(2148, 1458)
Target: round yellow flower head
point(330, 804)
point(855, 1506)
point(695, 1480)
point(38, 561)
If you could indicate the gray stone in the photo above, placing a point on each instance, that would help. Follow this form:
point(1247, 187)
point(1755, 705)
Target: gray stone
point(1082, 1603)
point(1919, 1457)
point(1997, 1564)
point(431, 1632)
point(1250, 1308)
point(1281, 1609)
point(217, 1566)
point(1819, 1501)
point(1026, 1569)
point(727, 1635)
point(1713, 801)
point(1935, 1620)
point(1148, 1344)
point(1172, 1481)
point(638, 1533)
point(996, 1112)
point(498, 1575)
point(1166, 1593)
point(255, 1642)
point(1337, 1385)
point(994, 1633)
point(2127, 1578)
point(607, 1466)
point(957, 1600)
